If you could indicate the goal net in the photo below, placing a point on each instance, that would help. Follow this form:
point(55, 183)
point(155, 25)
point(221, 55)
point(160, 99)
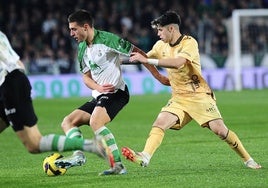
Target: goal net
point(249, 48)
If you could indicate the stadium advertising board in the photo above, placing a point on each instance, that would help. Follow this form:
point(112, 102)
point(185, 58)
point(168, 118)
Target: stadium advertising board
point(71, 85)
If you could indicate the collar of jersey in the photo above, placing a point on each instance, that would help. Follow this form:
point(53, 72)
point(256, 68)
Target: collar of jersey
point(177, 42)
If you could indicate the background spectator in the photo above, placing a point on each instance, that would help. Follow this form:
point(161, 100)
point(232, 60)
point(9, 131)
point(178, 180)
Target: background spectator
point(38, 29)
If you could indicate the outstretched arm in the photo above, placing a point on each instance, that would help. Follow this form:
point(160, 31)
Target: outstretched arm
point(174, 63)
point(154, 71)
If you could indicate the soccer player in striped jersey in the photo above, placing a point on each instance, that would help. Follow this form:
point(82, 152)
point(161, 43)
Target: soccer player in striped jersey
point(99, 56)
point(192, 98)
point(16, 110)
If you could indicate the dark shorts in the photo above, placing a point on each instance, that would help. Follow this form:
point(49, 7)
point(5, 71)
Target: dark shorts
point(113, 102)
point(16, 107)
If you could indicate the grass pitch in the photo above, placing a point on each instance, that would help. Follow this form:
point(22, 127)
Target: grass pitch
point(191, 157)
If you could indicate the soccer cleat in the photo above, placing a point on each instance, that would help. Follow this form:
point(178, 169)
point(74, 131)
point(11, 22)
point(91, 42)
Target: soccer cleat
point(104, 151)
point(136, 157)
point(77, 159)
point(252, 164)
point(118, 169)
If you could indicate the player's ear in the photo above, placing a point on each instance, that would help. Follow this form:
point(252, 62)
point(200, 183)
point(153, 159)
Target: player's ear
point(86, 27)
point(170, 28)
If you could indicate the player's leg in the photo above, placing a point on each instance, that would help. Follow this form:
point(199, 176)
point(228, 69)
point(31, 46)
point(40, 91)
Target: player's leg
point(36, 143)
point(20, 113)
point(219, 128)
point(164, 121)
point(98, 121)
point(30, 137)
point(198, 109)
point(18, 108)
point(54, 142)
point(107, 108)
point(71, 123)
point(74, 120)
point(70, 126)
point(171, 117)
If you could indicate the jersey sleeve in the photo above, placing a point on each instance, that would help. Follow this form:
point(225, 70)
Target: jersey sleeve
point(126, 47)
point(154, 52)
point(189, 50)
point(115, 43)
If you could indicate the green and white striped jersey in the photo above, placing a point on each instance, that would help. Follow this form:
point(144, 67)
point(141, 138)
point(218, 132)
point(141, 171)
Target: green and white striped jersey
point(102, 59)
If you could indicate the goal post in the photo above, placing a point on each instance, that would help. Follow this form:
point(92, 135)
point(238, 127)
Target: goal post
point(237, 16)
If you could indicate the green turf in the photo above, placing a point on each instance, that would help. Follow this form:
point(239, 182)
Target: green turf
point(192, 157)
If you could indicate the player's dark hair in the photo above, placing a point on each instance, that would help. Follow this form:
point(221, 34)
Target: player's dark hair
point(169, 17)
point(81, 17)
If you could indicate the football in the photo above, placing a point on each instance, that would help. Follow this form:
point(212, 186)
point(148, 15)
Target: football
point(49, 166)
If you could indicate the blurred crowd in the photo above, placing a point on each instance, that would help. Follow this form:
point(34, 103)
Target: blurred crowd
point(39, 32)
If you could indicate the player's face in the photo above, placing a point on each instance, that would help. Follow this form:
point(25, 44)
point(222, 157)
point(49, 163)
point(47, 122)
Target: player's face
point(164, 33)
point(79, 33)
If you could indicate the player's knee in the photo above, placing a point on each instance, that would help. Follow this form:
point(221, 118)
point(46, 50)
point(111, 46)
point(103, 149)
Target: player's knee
point(220, 133)
point(96, 123)
point(65, 124)
point(219, 128)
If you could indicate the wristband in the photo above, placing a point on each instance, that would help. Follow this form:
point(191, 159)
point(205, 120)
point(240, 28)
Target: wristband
point(153, 61)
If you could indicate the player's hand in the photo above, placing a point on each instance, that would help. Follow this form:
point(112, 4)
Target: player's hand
point(106, 88)
point(137, 57)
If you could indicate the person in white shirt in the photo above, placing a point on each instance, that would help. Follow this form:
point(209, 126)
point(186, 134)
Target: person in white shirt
point(99, 55)
point(17, 111)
